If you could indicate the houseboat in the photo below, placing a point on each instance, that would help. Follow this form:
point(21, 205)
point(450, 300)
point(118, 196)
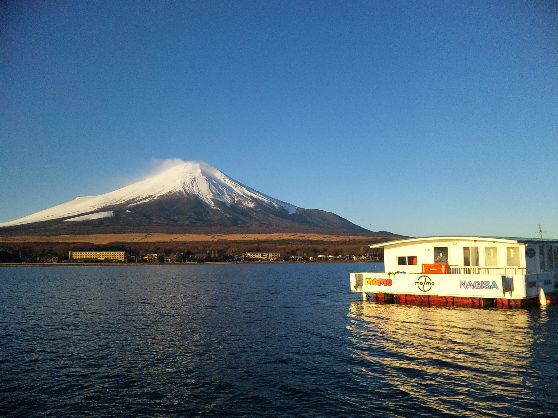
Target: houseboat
point(464, 271)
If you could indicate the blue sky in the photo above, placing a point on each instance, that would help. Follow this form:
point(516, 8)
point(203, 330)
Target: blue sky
point(421, 118)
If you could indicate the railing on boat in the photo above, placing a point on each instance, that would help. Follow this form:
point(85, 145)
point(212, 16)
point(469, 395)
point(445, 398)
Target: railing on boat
point(500, 271)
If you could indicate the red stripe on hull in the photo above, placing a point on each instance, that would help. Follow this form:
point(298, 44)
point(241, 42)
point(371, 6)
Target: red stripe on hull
point(459, 301)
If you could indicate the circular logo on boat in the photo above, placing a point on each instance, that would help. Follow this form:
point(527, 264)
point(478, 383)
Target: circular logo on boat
point(530, 252)
point(424, 283)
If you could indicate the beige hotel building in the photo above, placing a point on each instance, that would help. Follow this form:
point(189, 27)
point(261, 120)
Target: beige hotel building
point(98, 255)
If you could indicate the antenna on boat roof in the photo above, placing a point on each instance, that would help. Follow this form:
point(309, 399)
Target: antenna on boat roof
point(541, 232)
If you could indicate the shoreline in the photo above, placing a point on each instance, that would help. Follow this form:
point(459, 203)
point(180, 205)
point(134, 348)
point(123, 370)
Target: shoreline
point(185, 248)
point(178, 264)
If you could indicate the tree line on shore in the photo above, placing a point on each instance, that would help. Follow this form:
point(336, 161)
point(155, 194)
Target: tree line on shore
point(195, 252)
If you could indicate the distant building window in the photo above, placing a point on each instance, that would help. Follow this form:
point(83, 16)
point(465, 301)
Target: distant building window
point(470, 256)
point(440, 254)
point(491, 256)
point(513, 256)
point(410, 260)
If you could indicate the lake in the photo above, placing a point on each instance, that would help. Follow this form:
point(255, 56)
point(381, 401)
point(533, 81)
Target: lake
point(259, 339)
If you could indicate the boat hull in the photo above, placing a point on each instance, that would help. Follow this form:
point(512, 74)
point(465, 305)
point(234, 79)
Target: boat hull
point(462, 290)
point(458, 301)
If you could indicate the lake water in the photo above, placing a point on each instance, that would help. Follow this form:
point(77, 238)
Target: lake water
point(259, 340)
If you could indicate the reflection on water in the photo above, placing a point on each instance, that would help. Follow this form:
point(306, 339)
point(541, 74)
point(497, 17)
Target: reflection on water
point(252, 340)
point(459, 361)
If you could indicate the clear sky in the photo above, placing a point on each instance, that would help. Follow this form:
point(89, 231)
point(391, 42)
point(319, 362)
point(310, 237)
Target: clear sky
point(421, 118)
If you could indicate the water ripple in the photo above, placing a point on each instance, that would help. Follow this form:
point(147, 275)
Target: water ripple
point(252, 340)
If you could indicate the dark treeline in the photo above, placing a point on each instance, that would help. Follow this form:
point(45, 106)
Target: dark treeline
point(190, 252)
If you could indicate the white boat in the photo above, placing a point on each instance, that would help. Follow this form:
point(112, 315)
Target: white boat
point(464, 271)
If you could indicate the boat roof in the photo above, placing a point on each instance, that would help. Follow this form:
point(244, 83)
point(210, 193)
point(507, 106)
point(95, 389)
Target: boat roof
point(419, 240)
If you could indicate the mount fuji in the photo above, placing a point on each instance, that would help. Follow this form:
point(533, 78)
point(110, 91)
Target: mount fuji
point(187, 197)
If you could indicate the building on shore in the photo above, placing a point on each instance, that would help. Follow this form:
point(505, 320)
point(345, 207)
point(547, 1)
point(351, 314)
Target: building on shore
point(256, 256)
point(98, 255)
point(151, 258)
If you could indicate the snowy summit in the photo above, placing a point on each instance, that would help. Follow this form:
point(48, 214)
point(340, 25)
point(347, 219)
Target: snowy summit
point(190, 179)
point(185, 197)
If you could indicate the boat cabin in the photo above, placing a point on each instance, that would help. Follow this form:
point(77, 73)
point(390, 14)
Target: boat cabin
point(470, 271)
point(470, 255)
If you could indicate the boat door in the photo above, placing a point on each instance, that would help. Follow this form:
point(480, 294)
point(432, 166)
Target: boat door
point(440, 254)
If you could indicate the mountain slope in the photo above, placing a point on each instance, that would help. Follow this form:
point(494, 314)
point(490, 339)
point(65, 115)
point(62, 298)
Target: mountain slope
point(187, 197)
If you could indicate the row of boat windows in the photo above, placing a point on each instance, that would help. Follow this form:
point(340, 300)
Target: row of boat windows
point(470, 257)
point(548, 257)
point(410, 260)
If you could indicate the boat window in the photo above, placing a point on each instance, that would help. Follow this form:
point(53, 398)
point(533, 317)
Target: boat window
point(470, 256)
point(410, 260)
point(541, 257)
point(440, 254)
point(550, 261)
point(491, 256)
point(555, 252)
point(513, 256)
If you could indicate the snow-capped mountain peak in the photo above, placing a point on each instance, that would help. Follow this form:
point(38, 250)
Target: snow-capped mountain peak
point(186, 178)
